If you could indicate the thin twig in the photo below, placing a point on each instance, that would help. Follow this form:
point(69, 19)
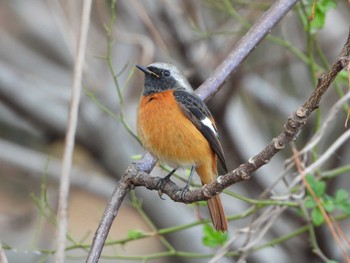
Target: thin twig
point(331, 227)
point(70, 136)
point(321, 132)
point(323, 158)
point(260, 226)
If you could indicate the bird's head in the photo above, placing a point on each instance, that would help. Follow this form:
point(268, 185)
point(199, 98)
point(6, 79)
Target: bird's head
point(161, 76)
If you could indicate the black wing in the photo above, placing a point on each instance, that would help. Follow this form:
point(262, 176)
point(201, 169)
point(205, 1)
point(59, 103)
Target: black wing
point(196, 110)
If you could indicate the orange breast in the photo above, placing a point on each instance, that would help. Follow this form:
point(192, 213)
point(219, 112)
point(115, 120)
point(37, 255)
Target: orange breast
point(167, 133)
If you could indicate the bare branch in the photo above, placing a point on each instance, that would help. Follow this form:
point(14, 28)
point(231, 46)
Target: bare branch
point(70, 136)
point(110, 213)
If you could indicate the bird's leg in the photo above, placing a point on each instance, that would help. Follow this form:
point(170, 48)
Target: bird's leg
point(185, 189)
point(161, 182)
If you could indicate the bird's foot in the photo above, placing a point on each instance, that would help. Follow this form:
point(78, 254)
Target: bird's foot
point(183, 192)
point(164, 181)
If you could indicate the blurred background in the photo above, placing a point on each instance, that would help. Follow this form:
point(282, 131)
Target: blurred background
point(37, 49)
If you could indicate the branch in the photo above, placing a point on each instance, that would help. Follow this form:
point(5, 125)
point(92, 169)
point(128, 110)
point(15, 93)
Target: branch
point(70, 136)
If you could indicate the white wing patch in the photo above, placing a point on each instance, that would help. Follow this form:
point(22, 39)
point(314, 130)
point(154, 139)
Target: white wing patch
point(207, 122)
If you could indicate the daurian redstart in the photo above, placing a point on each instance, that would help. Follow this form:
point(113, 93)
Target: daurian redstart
point(176, 126)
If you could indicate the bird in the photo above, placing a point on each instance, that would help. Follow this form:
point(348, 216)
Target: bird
point(176, 126)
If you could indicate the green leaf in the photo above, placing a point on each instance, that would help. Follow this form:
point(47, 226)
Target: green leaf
point(326, 5)
point(319, 19)
point(328, 205)
point(310, 179)
point(310, 203)
point(318, 187)
point(320, 12)
point(317, 217)
point(342, 201)
point(345, 207)
point(136, 234)
point(331, 261)
point(213, 238)
point(341, 195)
point(343, 75)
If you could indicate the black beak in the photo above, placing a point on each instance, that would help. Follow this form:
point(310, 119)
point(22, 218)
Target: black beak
point(146, 71)
point(142, 68)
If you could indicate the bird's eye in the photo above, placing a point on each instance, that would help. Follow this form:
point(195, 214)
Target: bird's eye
point(166, 73)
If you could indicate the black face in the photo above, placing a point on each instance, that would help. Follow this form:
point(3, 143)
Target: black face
point(157, 80)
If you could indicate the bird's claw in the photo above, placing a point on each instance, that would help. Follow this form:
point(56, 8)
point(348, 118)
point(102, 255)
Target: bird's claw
point(160, 193)
point(183, 192)
point(160, 186)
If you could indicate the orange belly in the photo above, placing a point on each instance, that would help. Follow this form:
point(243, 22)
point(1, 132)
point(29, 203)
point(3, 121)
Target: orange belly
point(168, 134)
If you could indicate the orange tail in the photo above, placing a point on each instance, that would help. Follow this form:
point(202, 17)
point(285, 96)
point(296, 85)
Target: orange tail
point(217, 214)
point(207, 173)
